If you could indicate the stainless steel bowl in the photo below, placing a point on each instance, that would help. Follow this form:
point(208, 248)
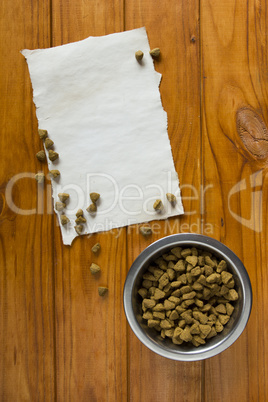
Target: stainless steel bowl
point(164, 347)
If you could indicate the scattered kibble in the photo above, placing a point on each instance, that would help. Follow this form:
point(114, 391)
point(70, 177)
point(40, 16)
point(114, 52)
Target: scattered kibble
point(96, 248)
point(79, 229)
point(80, 219)
point(48, 143)
point(79, 213)
point(188, 295)
point(145, 230)
point(41, 156)
point(94, 268)
point(52, 155)
point(64, 219)
point(158, 205)
point(40, 178)
point(102, 290)
point(63, 196)
point(155, 52)
point(54, 173)
point(42, 134)
point(60, 206)
point(94, 197)
point(139, 55)
point(171, 198)
point(92, 208)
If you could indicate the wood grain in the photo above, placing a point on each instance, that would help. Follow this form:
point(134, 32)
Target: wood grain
point(91, 343)
point(59, 339)
point(173, 27)
point(235, 159)
point(26, 274)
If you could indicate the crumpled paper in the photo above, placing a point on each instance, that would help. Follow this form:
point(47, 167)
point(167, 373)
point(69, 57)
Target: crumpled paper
point(102, 108)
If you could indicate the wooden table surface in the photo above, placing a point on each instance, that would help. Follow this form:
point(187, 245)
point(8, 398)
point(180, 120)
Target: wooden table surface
point(59, 341)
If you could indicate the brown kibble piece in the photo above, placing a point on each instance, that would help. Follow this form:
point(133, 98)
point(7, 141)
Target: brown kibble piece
point(158, 205)
point(171, 198)
point(92, 208)
point(40, 177)
point(222, 266)
point(231, 295)
point(80, 219)
point(79, 213)
point(94, 197)
point(54, 173)
point(221, 308)
point(176, 251)
point(158, 294)
point(48, 143)
point(229, 309)
point(165, 324)
point(192, 259)
point(94, 268)
point(155, 52)
point(223, 318)
point(139, 55)
point(102, 290)
point(63, 196)
point(153, 323)
point(143, 292)
point(64, 219)
point(186, 334)
point(226, 277)
point(41, 156)
point(52, 155)
point(59, 206)
point(187, 296)
point(145, 230)
point(79, 228)
point(213, 278)
point(168, 305)
point(148, 303)
point(42, 133)
point(96, 248)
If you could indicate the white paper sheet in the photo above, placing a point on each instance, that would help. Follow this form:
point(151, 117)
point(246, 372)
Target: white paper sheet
point(103, 111)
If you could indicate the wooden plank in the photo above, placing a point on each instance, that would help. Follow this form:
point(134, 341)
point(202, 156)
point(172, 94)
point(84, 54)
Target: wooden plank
point(174, 27)
point(26, 273)
point(234, 59)
point(90, 331)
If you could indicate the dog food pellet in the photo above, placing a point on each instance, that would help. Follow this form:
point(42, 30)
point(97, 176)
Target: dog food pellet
point(54, 173)
point(79, 213)
point(48, 143)
point(92, 208)
point(94, 197)
point(188, 295)
point(139, 55)
point(64, 220)
point(60, 206)
point(171, 198)
point(145, 230)
point(80, 219)
point(41, 156)
point(42, 134)
point(155, 52)
point(102, 290)
point(79, 229)
point(96, 248)
point(63, 196)
point(94, 268)
point(158, 205)
point(52, 155)
point(40, 178)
